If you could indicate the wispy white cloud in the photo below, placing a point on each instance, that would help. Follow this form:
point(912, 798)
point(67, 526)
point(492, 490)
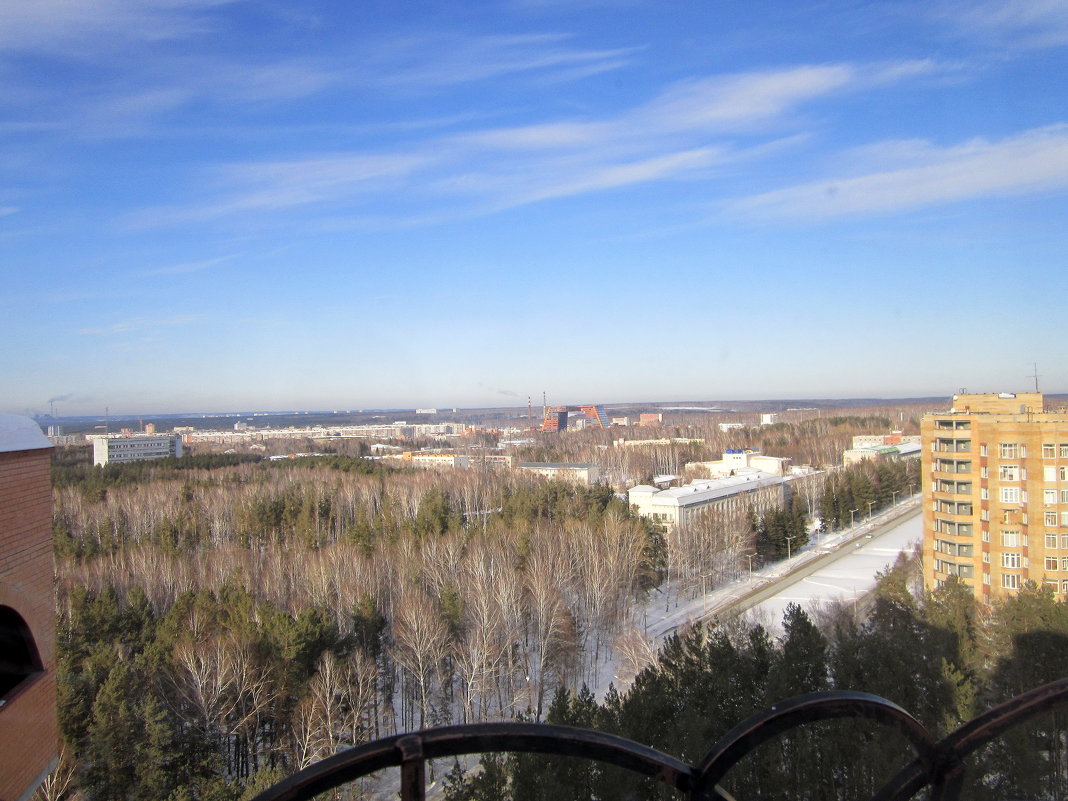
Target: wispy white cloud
point(1015, 23)
point(138, 324)
point(187, 267)
point(279, 81)
point(7, 210)
point(274, 186)
point(57, 26)
point(444, 59)
point(1035, 161)
point(720, 103)
point(569, 177)
point(684, 130)
point(127, 115)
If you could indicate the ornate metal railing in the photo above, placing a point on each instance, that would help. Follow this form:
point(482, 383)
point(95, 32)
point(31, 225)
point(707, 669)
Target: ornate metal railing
point(936, 764)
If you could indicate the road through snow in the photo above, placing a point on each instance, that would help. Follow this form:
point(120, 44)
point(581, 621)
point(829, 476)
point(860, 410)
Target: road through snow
point(837, 567)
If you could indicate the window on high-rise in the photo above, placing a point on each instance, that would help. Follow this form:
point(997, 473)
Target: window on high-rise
point(1010, 494)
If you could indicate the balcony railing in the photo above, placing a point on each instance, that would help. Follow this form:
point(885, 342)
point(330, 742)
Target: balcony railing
point(935, 764)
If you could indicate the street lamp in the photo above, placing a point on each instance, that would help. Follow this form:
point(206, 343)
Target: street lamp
point(851, 513)
point(704, 584)
point(870, 505)
point(750, 556)
point(893, 497)
point(788, 539)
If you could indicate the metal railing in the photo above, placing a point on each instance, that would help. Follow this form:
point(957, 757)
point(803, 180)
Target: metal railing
point(935, 764)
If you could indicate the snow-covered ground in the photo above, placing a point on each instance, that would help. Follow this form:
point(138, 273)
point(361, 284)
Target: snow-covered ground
point(863, 551)
point(845, 579)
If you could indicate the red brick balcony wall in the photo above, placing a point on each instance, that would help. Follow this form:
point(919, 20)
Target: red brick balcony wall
point(28, 732)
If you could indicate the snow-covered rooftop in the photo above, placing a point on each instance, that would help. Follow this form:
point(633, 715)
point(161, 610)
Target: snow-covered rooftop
point(19, 433)
point(705, 490)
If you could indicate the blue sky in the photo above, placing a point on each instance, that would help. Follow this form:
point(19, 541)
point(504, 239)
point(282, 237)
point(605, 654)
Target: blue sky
point(210, 205)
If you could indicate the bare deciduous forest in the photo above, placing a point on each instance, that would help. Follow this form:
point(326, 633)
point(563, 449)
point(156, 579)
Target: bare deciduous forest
point(224, 622)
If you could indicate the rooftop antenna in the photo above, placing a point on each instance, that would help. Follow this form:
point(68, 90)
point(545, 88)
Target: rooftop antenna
point(1035, 375)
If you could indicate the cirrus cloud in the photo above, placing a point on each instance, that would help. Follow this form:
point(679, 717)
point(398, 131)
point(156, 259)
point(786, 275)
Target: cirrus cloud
point(1031, 162)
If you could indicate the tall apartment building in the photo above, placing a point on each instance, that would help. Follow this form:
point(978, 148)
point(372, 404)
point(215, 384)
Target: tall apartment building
point(995, 489)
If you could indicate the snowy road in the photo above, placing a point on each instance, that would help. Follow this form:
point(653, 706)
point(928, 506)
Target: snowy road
point(842, 566)
point(839, 566)
point(848, 577)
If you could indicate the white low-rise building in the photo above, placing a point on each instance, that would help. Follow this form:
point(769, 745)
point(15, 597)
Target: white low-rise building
point(438, 460)
point(739, 459)
point(878, 440)
point(582, 472)
point(904, 450)
point(119, 448)
point(671, 508)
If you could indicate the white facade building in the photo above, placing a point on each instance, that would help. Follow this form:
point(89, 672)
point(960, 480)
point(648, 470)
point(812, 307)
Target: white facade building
point(736, 460)
point(442, 460)
point(582, 472)
point(116, 448)
point(676, 507)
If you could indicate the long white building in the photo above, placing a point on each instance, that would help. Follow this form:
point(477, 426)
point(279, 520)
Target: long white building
point(117, 448)
point(677, 506)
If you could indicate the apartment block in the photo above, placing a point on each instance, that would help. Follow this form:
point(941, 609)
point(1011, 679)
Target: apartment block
point(111, 448)
point(995, 488)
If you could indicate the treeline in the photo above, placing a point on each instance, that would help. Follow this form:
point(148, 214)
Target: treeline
point(73, 467)
point(311, 502)
point(943, 659)
point(818, 441)
point(860, 490)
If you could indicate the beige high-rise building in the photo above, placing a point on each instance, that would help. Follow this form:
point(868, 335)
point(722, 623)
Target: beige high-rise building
point(995, 490)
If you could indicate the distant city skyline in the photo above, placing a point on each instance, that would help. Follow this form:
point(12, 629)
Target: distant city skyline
point(208, 206)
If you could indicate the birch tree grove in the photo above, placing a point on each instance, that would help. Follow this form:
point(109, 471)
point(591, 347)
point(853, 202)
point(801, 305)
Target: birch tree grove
point(287, 613)
point(421, 640)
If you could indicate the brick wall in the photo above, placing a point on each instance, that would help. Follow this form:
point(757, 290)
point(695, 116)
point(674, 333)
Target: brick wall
point(28, 733)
